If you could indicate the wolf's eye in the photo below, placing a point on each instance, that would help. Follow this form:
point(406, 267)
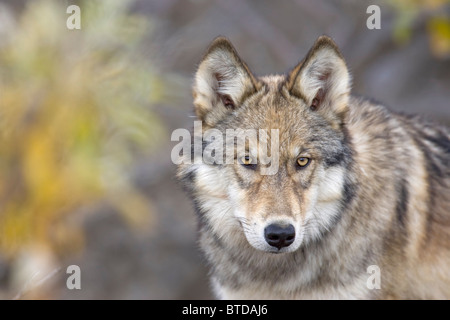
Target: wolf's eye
point(247, 161)
point(302, 162)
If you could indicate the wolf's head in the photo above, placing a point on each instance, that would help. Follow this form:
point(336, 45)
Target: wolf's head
point(300, 135)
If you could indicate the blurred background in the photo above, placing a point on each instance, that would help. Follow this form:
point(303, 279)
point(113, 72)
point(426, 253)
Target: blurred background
point(86, 117)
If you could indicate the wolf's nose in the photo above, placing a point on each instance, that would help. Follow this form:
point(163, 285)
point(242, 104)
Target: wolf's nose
point(279, 236)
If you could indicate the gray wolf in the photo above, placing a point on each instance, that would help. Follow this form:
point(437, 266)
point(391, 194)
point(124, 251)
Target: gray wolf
point(357, 185)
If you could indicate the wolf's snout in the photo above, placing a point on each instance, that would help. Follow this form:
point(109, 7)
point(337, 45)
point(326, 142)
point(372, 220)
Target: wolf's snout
point(279, 236)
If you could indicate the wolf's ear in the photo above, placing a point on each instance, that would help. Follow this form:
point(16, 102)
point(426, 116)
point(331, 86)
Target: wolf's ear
point(323, 81)
point(222, 81)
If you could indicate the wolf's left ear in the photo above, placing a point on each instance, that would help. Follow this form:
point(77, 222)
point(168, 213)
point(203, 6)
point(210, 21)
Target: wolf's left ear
point(323, 81)
point(222, 82)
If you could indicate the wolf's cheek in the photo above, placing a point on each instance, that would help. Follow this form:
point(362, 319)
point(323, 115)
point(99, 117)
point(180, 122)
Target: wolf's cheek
point(324, 203)
point(211, 187)
point(210, 181)
point(331, 185)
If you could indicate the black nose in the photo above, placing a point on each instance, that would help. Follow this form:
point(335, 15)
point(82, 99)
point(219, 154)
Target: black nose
point(279, 236)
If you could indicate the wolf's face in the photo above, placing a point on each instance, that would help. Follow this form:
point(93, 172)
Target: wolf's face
point(287, 186)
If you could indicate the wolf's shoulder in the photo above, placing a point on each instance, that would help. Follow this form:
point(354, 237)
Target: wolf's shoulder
point(369, 111)
point(383, 129)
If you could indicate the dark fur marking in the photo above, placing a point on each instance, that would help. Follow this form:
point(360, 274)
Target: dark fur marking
point(187, 182)
point(335, 159)
point(300, 96)
point(441, 141)
point(349, 194)
point(208, 161)
point(341, 157)
point(401, 208)
point(188, 178)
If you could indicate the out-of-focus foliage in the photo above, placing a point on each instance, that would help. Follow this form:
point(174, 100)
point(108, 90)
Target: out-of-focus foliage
point(437, 16)
point(439, 32)
point(75, 111)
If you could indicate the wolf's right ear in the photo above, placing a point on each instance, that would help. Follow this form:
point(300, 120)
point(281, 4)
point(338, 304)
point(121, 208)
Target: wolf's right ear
point(222, 82)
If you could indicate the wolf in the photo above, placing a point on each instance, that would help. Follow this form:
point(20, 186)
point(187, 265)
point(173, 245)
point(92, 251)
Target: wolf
point(357, 185)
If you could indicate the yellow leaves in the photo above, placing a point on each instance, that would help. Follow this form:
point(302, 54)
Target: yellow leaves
point(43, 181)
point(75, 113)
point(35, 36)
point(402, 25)
point(437, 23)
point(439, 31)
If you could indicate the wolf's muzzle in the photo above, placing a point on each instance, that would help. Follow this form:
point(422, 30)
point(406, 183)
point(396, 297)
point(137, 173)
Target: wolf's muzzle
point(279, 236)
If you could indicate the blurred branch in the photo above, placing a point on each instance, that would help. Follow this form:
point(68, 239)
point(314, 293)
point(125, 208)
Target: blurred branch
point(29, 286)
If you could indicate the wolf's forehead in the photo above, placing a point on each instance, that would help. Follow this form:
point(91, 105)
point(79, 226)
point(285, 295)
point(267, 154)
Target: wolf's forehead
point(280, 130)
point(273, 82)
point(275, 109)
point(270, 109)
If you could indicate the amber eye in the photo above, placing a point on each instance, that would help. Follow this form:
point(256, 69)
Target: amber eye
point(247, 161)
point(302, 161)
